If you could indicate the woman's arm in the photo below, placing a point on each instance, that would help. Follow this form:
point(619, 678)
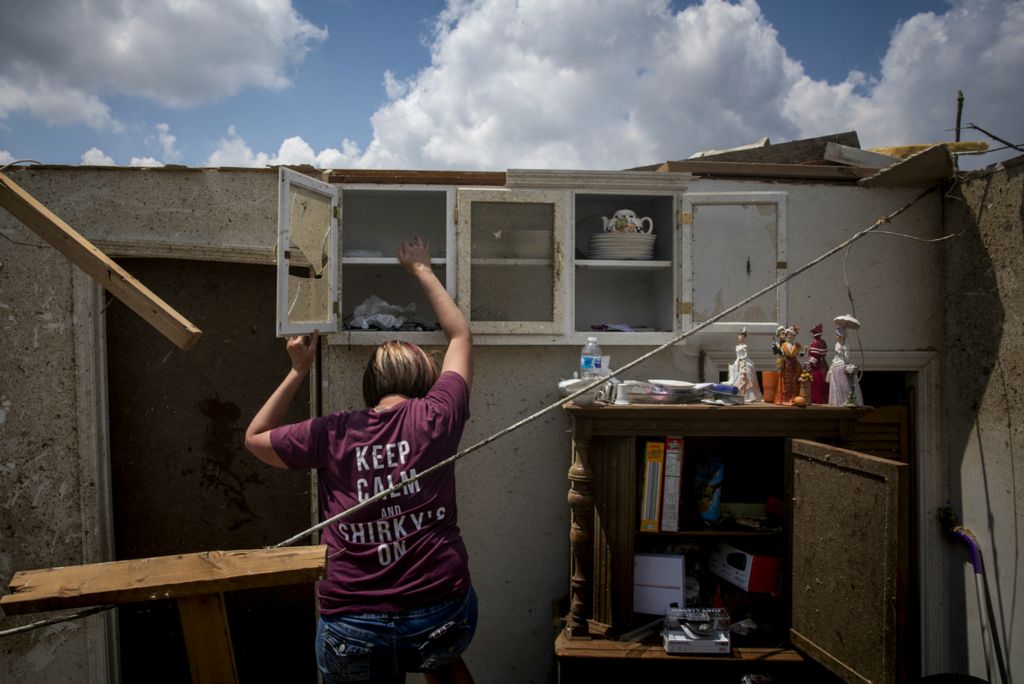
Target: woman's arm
point(257, 435)
point(415, 258)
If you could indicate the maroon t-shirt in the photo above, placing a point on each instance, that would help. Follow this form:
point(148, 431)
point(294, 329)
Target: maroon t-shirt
point(405, 550)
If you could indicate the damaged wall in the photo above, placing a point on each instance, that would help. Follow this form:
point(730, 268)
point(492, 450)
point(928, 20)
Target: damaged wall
point(985, 408)
point(512, 494)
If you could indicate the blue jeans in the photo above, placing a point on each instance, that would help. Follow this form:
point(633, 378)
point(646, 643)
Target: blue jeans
point(382, 647)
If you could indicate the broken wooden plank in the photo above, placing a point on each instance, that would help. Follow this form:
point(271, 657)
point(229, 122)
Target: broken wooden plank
point(163, 577)
point(97, 265)
point(904, 151)
point(204, 621)
point(852, 156)
point(751, 170)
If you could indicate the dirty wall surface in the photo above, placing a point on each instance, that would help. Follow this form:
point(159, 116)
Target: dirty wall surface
point(985, 408)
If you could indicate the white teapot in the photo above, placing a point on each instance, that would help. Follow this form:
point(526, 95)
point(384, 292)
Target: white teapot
point(626, 221)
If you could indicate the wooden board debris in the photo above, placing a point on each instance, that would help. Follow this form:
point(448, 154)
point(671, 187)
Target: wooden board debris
point(852, 156)
point(97, 265)
point(162, 577)
point(904, 151)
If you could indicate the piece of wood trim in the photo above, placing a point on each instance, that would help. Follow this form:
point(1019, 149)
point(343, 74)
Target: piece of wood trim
point(98, 265)
point(391, 177)
point(904, 151)
point(754, 170)
point(163, 577)
point(204, 620)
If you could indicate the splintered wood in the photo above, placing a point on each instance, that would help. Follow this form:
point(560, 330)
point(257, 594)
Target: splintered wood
point(149, 579)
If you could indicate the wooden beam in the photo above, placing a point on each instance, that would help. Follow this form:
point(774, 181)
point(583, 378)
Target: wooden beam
point(204, 620)
point(97, 265)
point(751, 170)
point(904, 151)
point(852, 156)
point(162, 577)
point(388, 177)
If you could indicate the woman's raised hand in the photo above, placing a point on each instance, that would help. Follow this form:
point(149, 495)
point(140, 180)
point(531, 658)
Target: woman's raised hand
point(302, 352)
point(414, 252)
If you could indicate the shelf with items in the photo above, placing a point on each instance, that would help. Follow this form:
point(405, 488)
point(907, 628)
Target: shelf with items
point(757, 445)
point(626, 288)
point(375, 221)
point(391, 283)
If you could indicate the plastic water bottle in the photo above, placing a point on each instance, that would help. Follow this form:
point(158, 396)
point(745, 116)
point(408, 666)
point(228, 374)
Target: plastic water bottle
point(590, 359)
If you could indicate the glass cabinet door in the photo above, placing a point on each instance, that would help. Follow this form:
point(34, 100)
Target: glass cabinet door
point(307, 248)
point(510, 259)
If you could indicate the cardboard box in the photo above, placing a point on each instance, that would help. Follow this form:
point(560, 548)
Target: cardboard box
point(658, 581)
point(750, 572)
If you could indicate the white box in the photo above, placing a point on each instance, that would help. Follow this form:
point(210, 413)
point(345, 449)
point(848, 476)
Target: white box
point(658, 581)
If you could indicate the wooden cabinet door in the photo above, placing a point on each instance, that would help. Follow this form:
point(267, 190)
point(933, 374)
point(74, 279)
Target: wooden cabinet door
point(849, 560)
point(510, 260)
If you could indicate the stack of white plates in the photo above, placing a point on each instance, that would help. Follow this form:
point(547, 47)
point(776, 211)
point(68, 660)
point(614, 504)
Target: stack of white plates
point(622, 246)
point(532, 244)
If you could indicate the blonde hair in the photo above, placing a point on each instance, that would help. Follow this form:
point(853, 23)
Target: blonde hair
point(397, 367)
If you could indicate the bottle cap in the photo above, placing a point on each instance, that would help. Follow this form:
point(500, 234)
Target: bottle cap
point(591, 339)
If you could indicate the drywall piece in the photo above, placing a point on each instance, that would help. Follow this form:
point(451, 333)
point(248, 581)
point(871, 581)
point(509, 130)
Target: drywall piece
point(920, 170)
point(843, 154)
point(98, 265)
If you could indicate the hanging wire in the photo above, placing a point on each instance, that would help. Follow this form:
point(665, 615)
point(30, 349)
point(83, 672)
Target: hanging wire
point(55, 620)
point(849, 290)
point(556, 405)
point(599, 381)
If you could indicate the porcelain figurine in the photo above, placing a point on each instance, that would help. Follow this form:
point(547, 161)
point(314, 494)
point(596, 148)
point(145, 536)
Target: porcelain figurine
point(817, 365)
point(790, 368)
point(843, 376)
point(743, 373)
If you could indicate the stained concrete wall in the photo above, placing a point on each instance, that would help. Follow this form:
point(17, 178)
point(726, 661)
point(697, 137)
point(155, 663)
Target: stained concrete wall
point(985, 411)
point(512, 501)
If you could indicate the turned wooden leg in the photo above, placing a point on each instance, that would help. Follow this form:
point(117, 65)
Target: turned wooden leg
point(581, 538)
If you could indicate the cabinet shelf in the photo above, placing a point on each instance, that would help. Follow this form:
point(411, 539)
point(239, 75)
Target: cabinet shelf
point(384, 261)
point(622, 264)
point(511, 262)
point(710, 534)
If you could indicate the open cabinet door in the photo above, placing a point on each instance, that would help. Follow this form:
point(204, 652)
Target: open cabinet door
point(307, 250)
point(849, 561)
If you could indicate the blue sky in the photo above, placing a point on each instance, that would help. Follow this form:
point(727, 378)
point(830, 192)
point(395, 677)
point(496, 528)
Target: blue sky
point(493, 84)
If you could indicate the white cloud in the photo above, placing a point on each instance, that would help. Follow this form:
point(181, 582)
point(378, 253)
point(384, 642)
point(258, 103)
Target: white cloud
point(613, 84)
point(232, 150)
point(6, 157)
point(65, 56)
point(171, 153)
point(977, 47)
point(94, 156)
point(144, 161)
